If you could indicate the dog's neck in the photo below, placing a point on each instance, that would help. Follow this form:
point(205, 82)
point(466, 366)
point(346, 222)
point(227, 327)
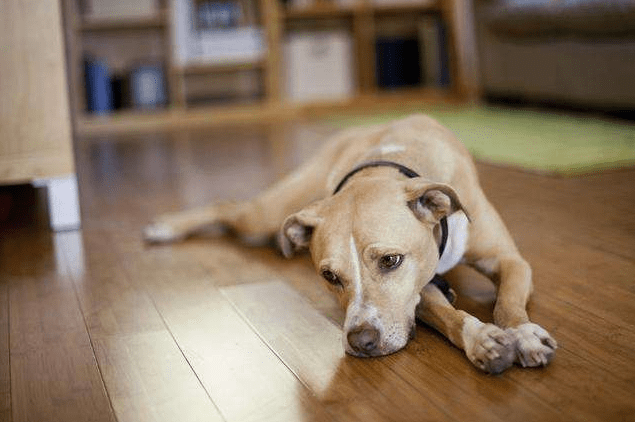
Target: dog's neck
point(379, 163)
point(443, 242)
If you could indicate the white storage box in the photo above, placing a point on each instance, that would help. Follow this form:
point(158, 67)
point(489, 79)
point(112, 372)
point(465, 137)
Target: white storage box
point(318, 66)
point(221, 46)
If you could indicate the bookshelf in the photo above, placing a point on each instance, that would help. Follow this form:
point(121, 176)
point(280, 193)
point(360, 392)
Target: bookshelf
point(153, 34)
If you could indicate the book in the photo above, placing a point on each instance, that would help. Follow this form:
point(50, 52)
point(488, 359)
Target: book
point(98, 86)
point(120, 85)
point(397, 62)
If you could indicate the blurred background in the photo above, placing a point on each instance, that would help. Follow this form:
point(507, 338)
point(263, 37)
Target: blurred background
point(545, 85)
point(183, 54)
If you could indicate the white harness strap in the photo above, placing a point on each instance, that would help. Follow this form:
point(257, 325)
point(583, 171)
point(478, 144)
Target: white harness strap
point(456, 243)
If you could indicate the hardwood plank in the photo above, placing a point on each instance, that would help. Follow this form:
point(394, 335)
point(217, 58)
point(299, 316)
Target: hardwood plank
point(144, 370)
point(297, 335)
point(579, 389)
point(545, 393)
point(590, 328)
point(602, 344)
point(245, 379)
point(312, 347)
point(594, 352)
point(599, 282)
point(593, 210)
point(5, 370)
point(54, 375)
point(149, 380)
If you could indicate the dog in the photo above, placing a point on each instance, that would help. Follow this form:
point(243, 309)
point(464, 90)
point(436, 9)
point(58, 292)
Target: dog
point(383, 211)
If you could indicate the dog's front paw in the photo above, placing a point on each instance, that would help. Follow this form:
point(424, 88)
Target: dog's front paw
point(534, 346)
point(160, 233)
point(488, 347)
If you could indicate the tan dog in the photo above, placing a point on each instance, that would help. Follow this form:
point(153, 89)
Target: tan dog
point(376, 241)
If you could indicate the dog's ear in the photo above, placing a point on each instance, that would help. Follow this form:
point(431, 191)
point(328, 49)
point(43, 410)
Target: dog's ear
point(432, 201)
point(297, 230)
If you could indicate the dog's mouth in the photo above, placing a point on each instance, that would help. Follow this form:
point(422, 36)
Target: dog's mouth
point(373, 353)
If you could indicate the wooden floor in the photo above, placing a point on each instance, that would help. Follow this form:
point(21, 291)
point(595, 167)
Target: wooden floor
point(97, 326)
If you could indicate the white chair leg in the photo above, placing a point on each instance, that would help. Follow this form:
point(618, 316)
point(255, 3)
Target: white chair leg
point(63, 201)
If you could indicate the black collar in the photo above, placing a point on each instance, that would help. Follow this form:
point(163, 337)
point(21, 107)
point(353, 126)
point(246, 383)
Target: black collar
point(406, 172)
point(379, 163)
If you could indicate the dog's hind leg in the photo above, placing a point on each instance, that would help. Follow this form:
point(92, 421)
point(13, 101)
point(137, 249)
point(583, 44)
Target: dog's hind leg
point(260, 217)
point(487, 346)
point(176, 226)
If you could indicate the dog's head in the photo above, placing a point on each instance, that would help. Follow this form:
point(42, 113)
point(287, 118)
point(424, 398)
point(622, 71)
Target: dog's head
point(376, 244)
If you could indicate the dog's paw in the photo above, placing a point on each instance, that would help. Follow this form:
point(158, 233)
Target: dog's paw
point(160, 233)
point(534, 346)
point(488, 347)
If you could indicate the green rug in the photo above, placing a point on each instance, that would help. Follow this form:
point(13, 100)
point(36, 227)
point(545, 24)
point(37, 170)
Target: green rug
point(533, 140)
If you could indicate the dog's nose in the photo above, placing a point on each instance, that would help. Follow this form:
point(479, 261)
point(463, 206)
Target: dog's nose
point(363, 338)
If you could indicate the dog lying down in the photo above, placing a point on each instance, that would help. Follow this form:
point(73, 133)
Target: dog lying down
point(383, 210)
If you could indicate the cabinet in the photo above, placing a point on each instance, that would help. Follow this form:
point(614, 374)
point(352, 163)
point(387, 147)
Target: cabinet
point(35, 123)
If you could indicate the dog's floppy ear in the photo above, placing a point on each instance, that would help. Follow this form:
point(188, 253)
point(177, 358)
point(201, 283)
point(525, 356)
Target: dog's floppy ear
point(297, 230)
point(432, 201)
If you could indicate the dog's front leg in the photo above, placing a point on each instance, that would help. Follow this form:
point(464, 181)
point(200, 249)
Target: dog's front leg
point(512, 274)
point(487, 346)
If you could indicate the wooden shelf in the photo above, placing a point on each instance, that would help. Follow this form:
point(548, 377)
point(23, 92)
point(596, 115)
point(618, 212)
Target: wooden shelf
point(398, 8)
point(134, 121)
point(328, 10)
point(159, 21)
point(319, 11)
point(210, 68)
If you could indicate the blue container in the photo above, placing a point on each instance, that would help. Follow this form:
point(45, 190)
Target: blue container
point(98, 87)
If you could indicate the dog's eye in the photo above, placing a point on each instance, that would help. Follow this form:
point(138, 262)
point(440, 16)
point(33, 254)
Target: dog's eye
point(390, 262)
point(331, 277)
